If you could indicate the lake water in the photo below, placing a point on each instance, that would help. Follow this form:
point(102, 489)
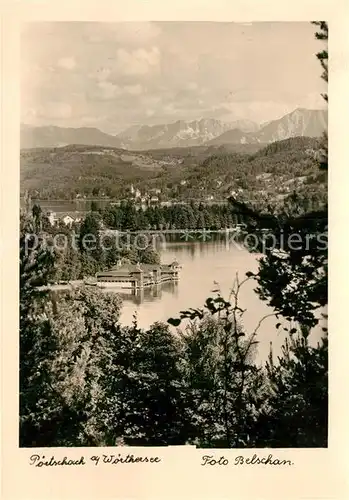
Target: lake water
point(203, 264)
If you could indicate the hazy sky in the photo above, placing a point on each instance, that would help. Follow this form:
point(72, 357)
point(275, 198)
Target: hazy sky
point(113, 75)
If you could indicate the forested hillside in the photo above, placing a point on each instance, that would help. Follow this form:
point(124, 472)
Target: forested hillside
point(267, 175)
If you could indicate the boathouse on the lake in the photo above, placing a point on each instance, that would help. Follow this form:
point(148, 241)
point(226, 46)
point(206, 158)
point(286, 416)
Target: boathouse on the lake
point(139, 275)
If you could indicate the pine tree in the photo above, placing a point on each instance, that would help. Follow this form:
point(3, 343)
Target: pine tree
point(295, 413)
point(322, 34)
point(89, 242)
point(36, 267)
point(144, 402)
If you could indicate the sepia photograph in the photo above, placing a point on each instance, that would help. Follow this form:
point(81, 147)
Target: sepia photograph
point(173, 274)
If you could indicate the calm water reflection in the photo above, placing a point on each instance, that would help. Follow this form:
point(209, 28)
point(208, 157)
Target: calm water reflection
point(203, 264)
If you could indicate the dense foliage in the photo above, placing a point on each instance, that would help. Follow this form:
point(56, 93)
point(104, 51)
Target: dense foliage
point(86, 380)
point(188, 216)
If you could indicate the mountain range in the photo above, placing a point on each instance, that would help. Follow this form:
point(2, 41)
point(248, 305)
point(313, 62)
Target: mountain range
point(180, 133)
point(300, 122)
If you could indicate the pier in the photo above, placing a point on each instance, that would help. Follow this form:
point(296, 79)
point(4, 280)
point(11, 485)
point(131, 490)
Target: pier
point(130, 276)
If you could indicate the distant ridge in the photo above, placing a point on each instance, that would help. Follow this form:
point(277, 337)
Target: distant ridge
point(51, 136)
point(300, 122)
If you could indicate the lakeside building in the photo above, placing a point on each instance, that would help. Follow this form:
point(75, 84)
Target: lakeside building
point(138, 275)
point(67, 218)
